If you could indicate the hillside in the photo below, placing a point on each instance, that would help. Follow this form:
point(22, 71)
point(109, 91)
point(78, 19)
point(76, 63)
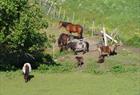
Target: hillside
point(119, 15)
point(115, 20)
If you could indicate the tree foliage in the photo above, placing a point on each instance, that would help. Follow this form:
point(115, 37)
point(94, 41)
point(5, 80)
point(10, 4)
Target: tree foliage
point(20, 25)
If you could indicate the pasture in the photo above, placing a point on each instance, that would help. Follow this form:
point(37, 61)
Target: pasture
point(74, 83)
point(118, 75)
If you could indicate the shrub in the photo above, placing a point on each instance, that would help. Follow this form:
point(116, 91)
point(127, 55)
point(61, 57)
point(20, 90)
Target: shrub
point(43, 67)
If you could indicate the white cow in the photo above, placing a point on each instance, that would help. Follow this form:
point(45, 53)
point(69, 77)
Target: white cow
point(23, 68)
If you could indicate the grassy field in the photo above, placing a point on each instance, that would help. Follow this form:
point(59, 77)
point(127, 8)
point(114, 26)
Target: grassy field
point(118, 75)
point(76, 83)
point(122, 16)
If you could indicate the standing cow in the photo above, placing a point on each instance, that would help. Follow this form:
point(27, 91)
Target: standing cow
point(26, 71)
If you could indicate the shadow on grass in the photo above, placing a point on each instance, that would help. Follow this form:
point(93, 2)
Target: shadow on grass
point(31, 76)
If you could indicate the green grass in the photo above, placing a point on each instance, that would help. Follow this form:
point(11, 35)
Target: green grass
point(112, 13)
point(122, 15)
point(119, 75)
point(70, 84)
point(127, 60)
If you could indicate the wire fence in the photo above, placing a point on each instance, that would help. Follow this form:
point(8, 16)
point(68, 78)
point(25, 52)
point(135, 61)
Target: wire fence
point(56, 12)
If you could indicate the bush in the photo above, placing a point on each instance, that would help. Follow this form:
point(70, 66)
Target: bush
point(43, 67)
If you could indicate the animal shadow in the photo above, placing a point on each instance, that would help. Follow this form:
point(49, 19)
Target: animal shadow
point(30, 77)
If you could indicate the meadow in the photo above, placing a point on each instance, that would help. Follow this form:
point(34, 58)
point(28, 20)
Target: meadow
point(118, 75)
point(74, 83)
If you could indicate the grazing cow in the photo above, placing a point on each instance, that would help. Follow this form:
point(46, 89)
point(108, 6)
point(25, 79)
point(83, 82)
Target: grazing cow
point(80, 60)
point(26, 70)
point(107, 50)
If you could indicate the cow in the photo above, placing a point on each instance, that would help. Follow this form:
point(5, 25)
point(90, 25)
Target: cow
point(26, 71)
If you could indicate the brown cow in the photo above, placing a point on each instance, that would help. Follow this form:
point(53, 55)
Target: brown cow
point(72, 28)
point(106, 51)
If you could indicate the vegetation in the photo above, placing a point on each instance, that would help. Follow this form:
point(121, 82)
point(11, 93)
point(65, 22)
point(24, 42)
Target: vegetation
point(70, 84)
point(125, 61)
point(20, 23)
point(118, 15)
point(27, 34)
point(135, 41)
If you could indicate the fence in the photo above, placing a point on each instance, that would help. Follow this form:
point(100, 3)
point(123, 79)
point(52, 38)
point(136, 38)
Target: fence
point(57, 12)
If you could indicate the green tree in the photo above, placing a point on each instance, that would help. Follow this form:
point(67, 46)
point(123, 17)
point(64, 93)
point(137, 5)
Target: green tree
point(20, 25)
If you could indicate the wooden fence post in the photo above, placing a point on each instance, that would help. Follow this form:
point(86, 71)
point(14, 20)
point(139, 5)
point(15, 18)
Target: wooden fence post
point(92, 28)
point(50, 8)
point(105, 38)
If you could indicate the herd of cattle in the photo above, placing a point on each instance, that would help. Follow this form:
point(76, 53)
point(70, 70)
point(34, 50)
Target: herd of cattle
point(76, 44)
